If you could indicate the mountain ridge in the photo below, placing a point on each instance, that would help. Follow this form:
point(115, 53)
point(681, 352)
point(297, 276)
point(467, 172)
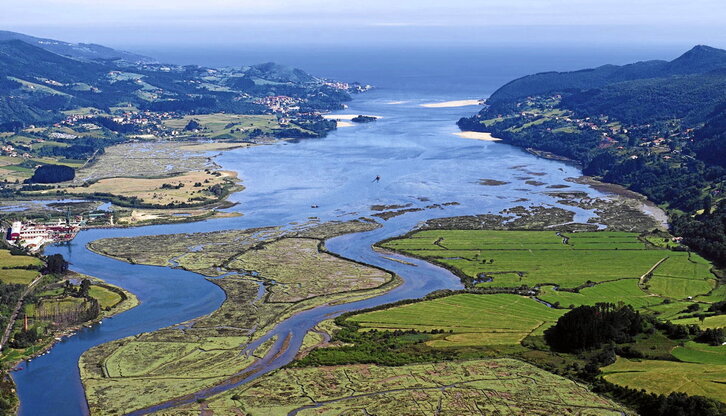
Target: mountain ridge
point(699, 59)
point(82, 51)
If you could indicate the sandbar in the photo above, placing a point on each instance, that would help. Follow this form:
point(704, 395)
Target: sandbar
point(475, 135)
point(451, 104)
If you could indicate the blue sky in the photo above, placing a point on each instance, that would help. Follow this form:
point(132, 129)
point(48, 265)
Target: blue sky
point(500, 22)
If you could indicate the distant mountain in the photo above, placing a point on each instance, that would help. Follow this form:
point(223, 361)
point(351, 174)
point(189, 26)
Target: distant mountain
point(26, 61)
point(699, 60)
point(83, 51)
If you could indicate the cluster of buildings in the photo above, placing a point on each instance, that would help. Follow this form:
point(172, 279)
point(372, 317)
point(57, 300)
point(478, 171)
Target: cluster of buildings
point(9, 150)
point(33, 236)
point(280, 103)
point(657, 138)
point(354, 87)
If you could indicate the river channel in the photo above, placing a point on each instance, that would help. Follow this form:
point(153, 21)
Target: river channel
point(420, 162)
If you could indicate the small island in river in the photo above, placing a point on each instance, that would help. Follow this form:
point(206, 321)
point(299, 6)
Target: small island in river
point(363, 119)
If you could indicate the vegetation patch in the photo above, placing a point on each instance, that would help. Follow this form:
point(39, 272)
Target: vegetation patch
point(206, 351)
point(466, 387)
point(466, 319)
point(299, 270)
point(665, 377)
point(493, 258)
point(189, 189)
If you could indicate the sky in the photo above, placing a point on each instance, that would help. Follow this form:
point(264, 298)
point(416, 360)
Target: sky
point(143, 23)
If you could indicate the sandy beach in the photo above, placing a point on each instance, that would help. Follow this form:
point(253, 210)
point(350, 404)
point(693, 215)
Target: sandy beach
point(452, 104)
point(345, 124)
point(475, 135)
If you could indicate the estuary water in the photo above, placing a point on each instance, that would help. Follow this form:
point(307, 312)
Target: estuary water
point(421, 165)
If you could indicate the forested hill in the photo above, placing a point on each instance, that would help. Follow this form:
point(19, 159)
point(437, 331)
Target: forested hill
point(657, 127)
point(699, 60)
point(85, 51)
point(36, 85)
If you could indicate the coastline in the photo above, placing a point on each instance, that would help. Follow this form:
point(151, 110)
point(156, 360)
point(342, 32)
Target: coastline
point(452, 104)
point(292, 309)
point(619, 191)
point(128, 302)
point(475, 135)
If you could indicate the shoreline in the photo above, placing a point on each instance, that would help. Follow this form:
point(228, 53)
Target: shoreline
point(452, 104)
point(128, 302)
point(294, 308)
point(475, 135)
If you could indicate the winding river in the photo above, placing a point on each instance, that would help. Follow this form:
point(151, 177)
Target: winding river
point(421, 163)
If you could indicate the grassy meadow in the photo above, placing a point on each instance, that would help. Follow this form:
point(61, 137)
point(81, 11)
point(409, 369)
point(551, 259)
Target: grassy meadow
point(568, 260)
point(451, 388)
point(13, 269)
point(474, 320)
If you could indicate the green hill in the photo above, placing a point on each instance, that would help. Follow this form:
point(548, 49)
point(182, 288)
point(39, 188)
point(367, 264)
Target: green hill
point(656, 127)
point(699, 60)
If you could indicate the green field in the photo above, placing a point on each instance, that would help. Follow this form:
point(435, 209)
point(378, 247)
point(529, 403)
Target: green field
point(664, 377)
point(17, 276)
point(475, 320)
point(669, 311)
point(220, 126)
point(106, 298)
point(12, 268)
point(10, 261)
point(625, 290)
point(532, 258)
point(694, 352)
point(490, 387)
point(718, 321)
point(302, 271)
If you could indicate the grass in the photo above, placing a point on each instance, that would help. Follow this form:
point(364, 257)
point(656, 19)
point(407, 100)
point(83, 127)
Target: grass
point(515, 258)
point(17, 276)
point(716, 295)
point(472, 320)
point(106, 298)
point(679, 288)
point(669, 311)
point(694, 352)
point(12, 268)
point(11, 261)
point(625, 290)
point(151, 191)
point(138, 371)
point(454, 388)
point(222, 126)
point(144, 159)
point(718, 321)
point(302, 271)
point(665, 377)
